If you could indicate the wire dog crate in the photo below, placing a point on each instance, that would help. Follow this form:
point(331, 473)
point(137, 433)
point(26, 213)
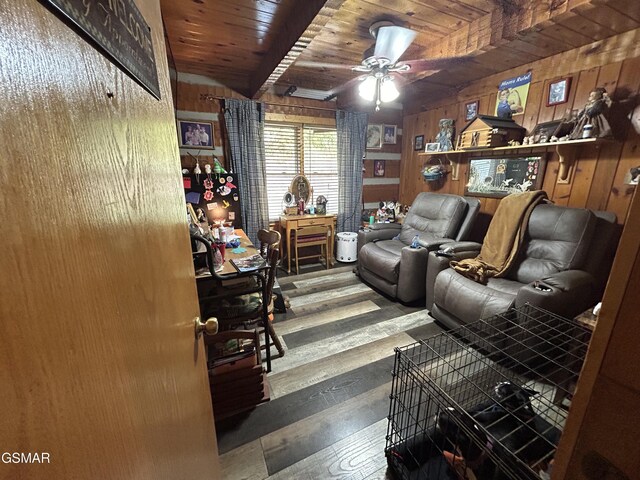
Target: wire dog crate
point(485, 400)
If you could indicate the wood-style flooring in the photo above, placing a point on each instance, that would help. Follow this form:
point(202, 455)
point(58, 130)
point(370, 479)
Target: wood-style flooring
point(327, 417)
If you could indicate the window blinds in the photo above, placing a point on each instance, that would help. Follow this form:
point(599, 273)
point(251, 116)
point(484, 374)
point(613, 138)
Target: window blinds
point(292, 149)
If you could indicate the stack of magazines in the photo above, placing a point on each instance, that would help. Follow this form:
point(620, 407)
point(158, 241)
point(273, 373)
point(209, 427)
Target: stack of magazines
point(249, 264)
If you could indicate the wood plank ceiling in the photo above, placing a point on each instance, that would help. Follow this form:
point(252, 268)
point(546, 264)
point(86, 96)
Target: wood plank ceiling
point(251, 45)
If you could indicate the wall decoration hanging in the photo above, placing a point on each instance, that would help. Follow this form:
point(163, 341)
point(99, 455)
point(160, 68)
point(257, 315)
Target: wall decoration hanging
point(445, 135)
point(195, 134)
point(558, 91)
point(378, 168)
point(471, 110)
point(418, 143)
point(501, 176)
point(512, 96)
point(197, 171)
point(390, 134)
point(374, 136)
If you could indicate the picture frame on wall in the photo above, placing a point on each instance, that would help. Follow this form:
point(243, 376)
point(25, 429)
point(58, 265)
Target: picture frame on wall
point(390, 134)
point(374, 136)
point(418, 143)
point(378, 168)
point(558, 92)
point(471, 110)
point(195, 134)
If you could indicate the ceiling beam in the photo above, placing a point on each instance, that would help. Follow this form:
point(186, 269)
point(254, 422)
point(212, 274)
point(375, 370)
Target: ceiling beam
point(305, 22)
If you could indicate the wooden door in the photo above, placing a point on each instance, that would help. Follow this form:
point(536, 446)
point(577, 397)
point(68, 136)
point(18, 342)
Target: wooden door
point(99, 367)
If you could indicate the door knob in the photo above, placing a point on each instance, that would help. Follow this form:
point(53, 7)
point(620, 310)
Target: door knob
point(210, 327)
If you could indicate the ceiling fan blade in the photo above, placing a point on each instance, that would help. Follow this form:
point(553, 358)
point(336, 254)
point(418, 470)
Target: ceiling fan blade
point(345, 86)
point(312, 64)
point(435, 63)
point(392, 41)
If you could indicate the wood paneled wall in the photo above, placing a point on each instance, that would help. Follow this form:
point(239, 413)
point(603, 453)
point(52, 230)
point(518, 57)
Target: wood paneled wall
point(204, 101)
point(598, 179)
point(387, 187)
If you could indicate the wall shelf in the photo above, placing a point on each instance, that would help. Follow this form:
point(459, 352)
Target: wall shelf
point(566, 154)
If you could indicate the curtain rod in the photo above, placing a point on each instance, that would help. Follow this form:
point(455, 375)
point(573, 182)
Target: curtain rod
point(210, 97)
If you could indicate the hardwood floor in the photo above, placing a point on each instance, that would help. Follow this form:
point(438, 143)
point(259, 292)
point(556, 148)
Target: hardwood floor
point(330, 392)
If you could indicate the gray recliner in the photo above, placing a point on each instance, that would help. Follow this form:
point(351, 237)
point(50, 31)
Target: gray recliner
point(385, 258)
point(562, 267)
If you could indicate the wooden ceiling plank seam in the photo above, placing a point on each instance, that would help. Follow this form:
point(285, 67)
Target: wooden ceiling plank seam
point(465, 13)
point(306, 20)
point(607, 18)
point(628, 8)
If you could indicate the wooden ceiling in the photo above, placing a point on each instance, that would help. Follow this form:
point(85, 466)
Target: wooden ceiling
point(251, 45)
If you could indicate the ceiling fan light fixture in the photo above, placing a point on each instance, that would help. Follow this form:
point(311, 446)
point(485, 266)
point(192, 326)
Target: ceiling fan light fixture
point(367, 88)
point(388, 90)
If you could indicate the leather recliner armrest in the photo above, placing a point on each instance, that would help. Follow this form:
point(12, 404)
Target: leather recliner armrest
point(435, 243)
point(413, 264)
point(462, 247)
point(564, 293)
point(436, 263)
point(386, 231)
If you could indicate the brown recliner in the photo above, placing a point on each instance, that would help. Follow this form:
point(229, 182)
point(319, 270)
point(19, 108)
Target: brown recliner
point(385, 258)
point(562, 267)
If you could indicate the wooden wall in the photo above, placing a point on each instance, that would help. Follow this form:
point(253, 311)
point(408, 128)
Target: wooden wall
point(199, 98)
point(387, 187)
point(600, 439)
point(598, 180)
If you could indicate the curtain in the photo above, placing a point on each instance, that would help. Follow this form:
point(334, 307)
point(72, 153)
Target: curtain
point(352, 131)
point(244, 121)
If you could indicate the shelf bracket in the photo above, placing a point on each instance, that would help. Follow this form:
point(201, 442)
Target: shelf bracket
point(454, 164)
point(566, 158)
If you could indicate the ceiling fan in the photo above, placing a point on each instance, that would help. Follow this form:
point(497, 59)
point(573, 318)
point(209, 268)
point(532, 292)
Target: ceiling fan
point(381, 66)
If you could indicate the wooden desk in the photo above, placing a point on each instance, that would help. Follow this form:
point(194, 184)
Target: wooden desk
point(228, 268)
point(289, 223)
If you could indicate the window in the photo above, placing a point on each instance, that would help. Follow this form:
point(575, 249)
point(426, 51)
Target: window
point(293, 149)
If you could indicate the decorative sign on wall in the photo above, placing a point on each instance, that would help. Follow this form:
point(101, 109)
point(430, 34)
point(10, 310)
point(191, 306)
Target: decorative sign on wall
point(119, 29)
point(512, 96)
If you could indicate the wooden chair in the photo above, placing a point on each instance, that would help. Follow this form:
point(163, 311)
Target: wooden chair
point(309, 237)
point(242, 304)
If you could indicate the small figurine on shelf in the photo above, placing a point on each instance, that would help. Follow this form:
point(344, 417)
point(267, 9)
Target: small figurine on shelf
point(445, 135)
point(591, 119)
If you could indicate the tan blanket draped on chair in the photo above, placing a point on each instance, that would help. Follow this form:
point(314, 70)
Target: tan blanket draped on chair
point(504, 238)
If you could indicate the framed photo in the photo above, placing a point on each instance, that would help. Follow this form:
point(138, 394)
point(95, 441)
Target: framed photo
point(378, 168)
point(374, 136)
point(390, 134)
point(543, 132)
point(500, 176)
point(195, 134)
point(471, 110)
point(558, 91)
point(432, 147)
point(418, 143)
